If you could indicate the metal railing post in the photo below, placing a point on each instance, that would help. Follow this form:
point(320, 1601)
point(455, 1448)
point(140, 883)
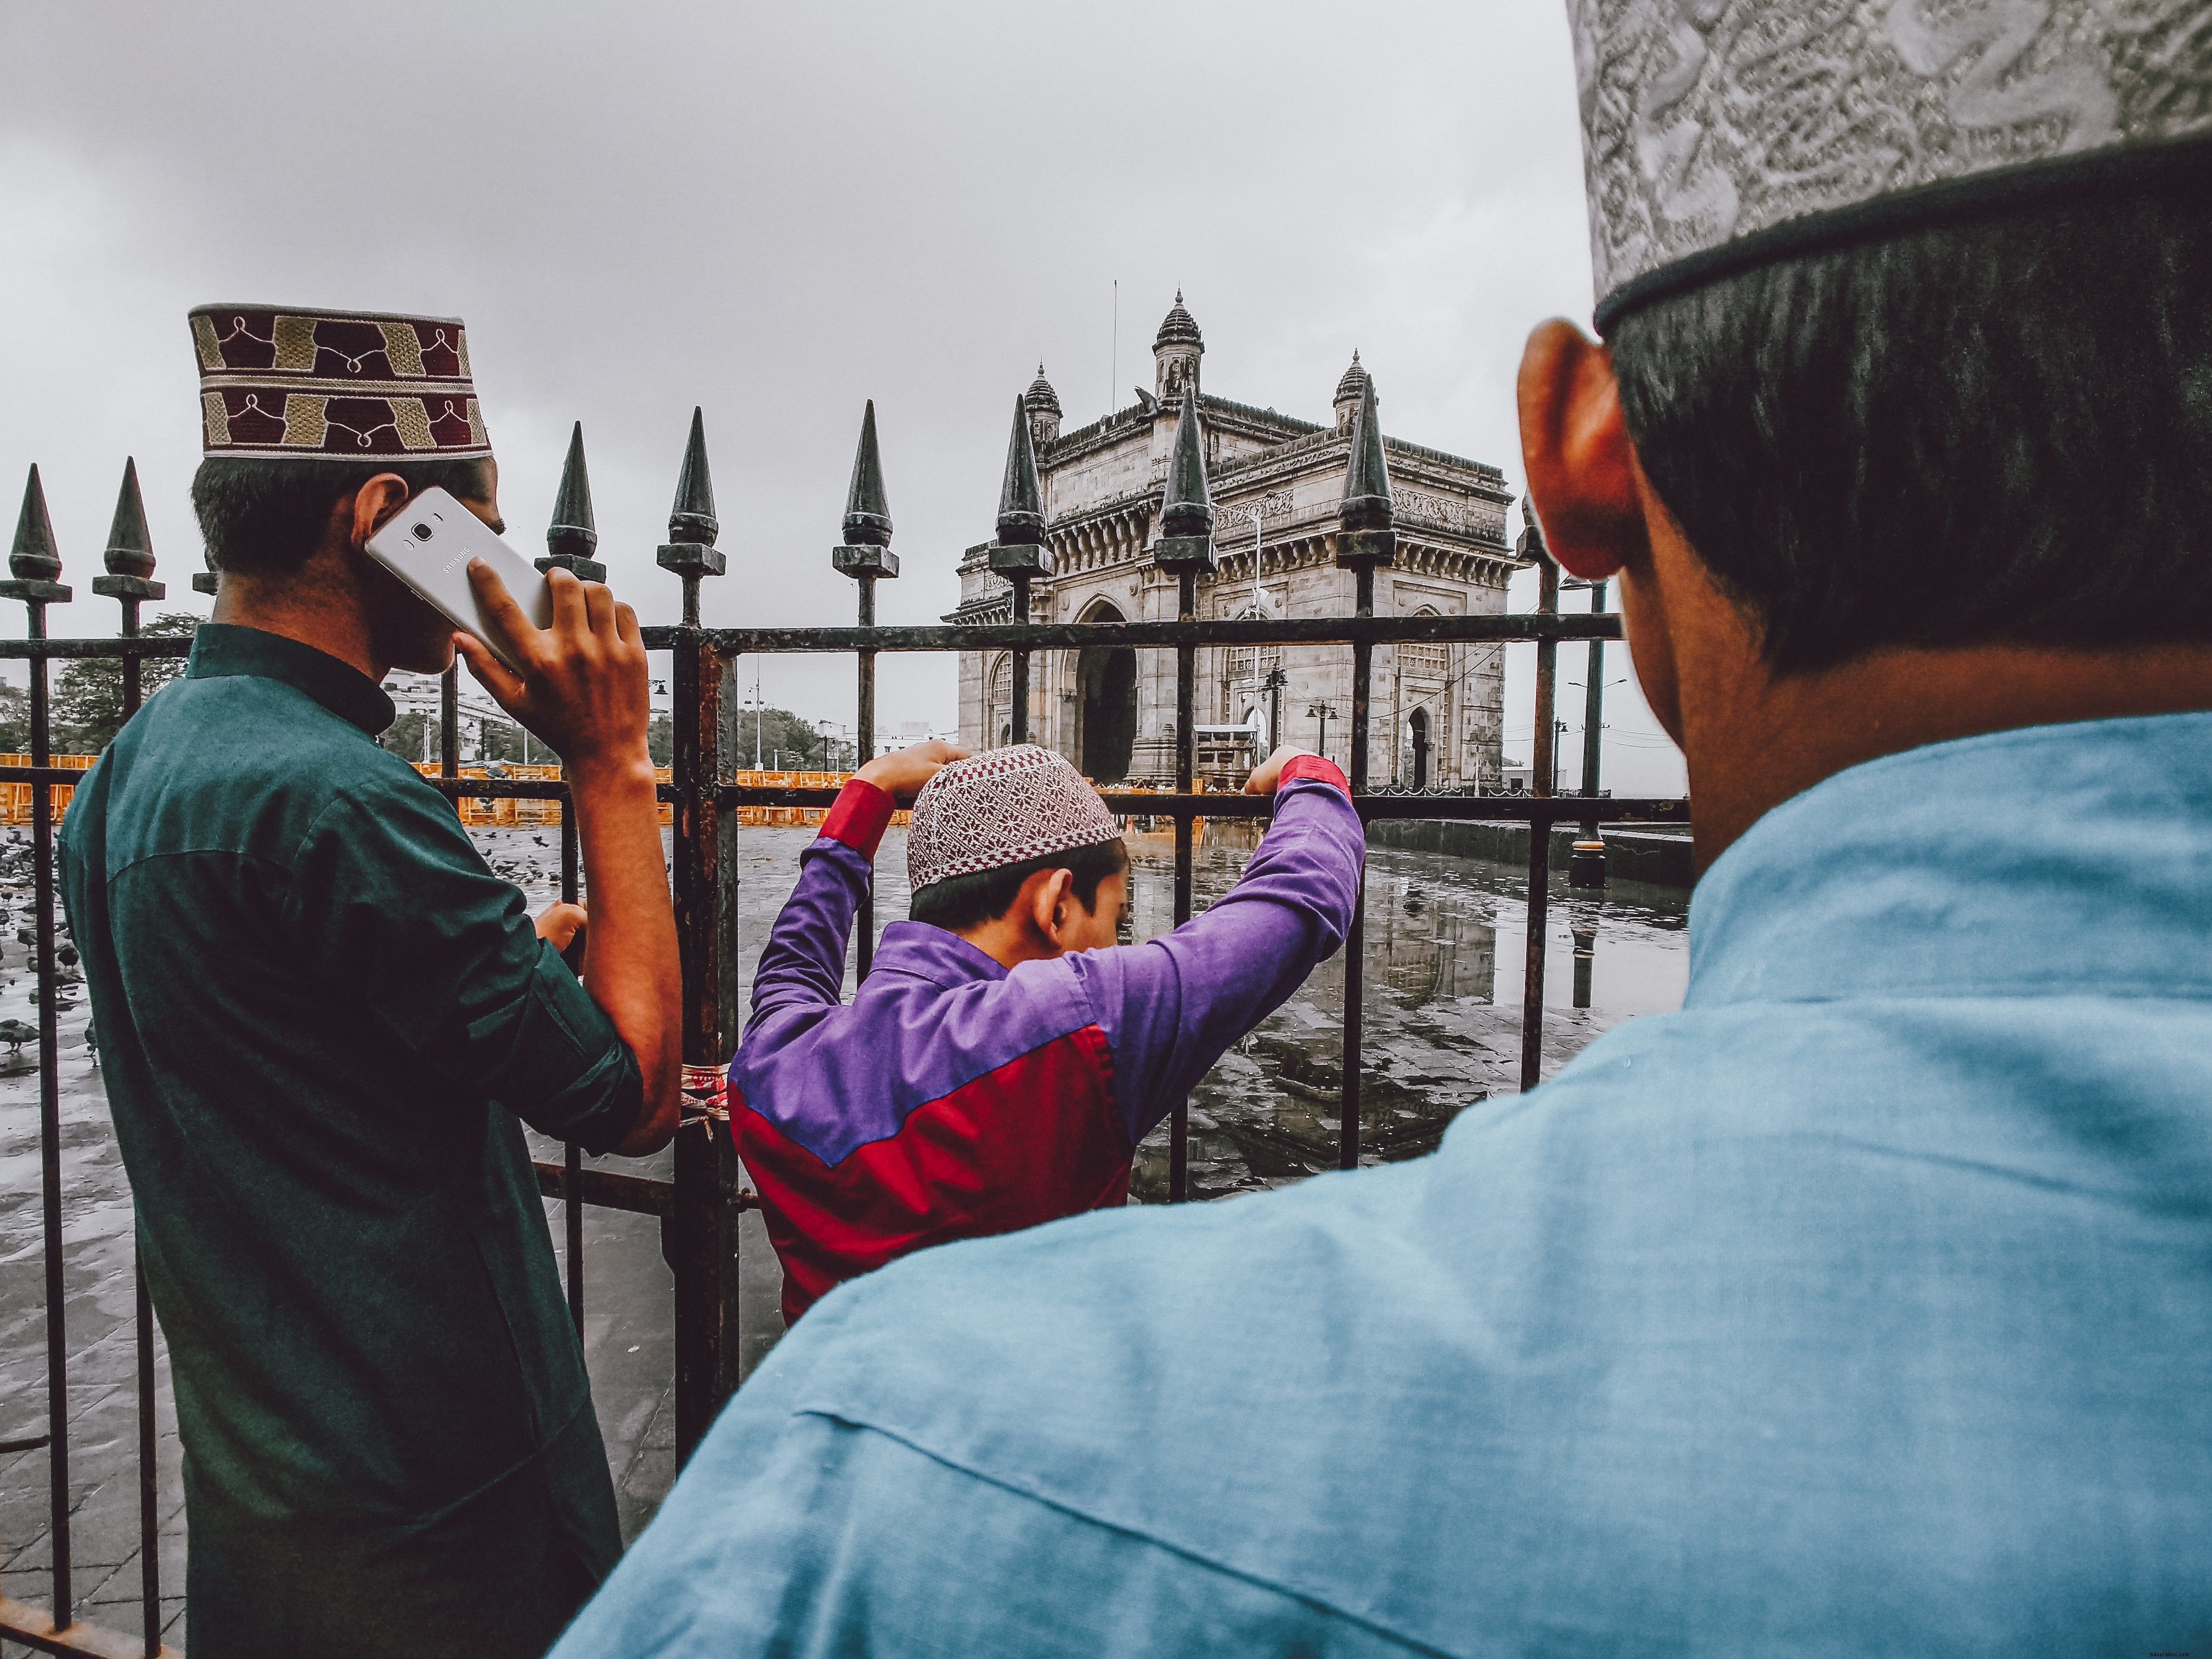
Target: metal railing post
point(1185, 551)
point(34, 564)
point(865, 556)
point(572, 543)
point(129, 581)
point(1019, 554)
point(1367, 537)
point(1539, 827)
point(700, 1239)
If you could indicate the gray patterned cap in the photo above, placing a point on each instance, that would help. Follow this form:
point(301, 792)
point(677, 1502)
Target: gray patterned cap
point(1003, 806)
point(1721, 134)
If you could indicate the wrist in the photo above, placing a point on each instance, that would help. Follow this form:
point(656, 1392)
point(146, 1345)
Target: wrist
point(863, 809)
point(615, 771)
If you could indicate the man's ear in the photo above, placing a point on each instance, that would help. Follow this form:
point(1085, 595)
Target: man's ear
point(1581, 465)
point(1052, 893)
point(374, 504)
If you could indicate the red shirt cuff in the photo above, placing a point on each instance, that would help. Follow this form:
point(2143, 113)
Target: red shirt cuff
point(858, 816)
point(1316, 767)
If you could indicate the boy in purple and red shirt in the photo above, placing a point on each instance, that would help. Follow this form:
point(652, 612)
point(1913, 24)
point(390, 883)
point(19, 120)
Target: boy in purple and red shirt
point(1004, 1057)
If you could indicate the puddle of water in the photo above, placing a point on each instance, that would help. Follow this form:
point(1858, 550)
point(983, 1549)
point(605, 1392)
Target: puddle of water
point(1440, 1023)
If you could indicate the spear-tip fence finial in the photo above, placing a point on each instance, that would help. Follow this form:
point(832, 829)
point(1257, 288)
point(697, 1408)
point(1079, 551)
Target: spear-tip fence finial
point(692, 527)
point(1367, 522)
point(573, 539)
point(129, 552)
point(1186, 509)
point(35, 560)
point(866, 548)
point(1020, 549)
point(692, 519)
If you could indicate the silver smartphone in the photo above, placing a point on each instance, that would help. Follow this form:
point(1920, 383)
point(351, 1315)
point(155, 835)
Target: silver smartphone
point(429, 544)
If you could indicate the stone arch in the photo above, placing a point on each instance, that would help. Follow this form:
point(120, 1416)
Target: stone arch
point(998, 701)
point(1417, 729)
point(1105, 701)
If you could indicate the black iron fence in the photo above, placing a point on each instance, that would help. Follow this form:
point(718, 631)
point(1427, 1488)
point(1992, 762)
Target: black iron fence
point(699, 1207)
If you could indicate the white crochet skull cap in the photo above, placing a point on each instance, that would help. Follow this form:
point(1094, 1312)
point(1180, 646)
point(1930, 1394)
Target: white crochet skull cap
point(1722, 134)
point(1003, 806)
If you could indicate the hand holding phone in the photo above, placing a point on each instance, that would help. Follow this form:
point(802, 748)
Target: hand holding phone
point(579, 683)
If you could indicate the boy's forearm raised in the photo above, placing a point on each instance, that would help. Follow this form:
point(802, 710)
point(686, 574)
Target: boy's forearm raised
point(583, 689)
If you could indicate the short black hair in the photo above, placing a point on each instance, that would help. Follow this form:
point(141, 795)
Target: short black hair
point(1990, 432)
point(959, 902)
point(266, 515)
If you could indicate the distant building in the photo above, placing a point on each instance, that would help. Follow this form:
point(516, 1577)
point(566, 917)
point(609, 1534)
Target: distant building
point(1276, 484)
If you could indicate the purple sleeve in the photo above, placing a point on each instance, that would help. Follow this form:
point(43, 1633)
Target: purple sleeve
point(1172, 1006)
point(804, 965)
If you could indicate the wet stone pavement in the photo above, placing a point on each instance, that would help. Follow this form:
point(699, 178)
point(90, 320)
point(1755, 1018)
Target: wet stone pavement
point(1444, 953)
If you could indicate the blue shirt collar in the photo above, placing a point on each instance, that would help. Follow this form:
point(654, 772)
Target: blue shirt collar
point(2017, 863)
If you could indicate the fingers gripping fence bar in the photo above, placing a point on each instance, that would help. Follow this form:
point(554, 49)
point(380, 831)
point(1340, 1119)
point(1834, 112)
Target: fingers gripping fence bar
point(699, 1207)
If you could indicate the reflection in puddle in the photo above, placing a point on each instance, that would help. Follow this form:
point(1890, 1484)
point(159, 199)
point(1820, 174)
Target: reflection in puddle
point(1443, 1010)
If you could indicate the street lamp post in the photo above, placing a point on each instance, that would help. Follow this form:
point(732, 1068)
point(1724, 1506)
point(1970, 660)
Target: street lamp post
point(1324, 714)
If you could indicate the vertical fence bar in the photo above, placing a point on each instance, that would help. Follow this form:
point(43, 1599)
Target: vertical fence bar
point(572, 1155)
point(863, 921)
point(572, 540)
point(1367, 536)
point(1185, 768)
point(1018, 714)
point(1539, 831)
point(35, 567)
point(449, 725)
point(129, 581)
point(1185, 549)
point(1019, 554)
point(865, 555)
point(49, 1127)
point(1532, 993)
point(700, 1239)
point(1586, 865)
point(1594, 712)
point(1355, 943)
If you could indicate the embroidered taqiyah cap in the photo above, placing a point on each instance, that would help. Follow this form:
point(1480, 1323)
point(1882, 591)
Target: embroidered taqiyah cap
point(342, 385)
point(1003, 806)
point(1719, 135)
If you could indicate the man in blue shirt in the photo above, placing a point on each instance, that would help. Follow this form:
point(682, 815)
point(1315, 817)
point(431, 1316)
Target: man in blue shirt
point(1863, 1307)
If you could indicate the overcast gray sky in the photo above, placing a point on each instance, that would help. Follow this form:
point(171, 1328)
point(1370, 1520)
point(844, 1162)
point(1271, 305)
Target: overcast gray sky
point(778, 212)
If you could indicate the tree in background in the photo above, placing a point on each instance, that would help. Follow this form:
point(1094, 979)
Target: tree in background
point(88, 705)
point(788, 741)
point(14, 721)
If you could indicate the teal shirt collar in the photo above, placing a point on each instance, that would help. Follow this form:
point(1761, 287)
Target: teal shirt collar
point(223, 650)
point(2035, 861)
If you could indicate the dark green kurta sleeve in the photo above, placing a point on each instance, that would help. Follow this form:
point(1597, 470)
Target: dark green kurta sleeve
point(391, 899)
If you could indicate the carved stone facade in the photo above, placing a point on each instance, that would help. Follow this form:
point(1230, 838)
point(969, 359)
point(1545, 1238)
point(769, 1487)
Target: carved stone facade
point(1277, 483)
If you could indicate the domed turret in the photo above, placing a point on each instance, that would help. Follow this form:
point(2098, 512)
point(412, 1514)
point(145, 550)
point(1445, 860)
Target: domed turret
point(1349, 391)
point(1175, 352)
point(1043, 405)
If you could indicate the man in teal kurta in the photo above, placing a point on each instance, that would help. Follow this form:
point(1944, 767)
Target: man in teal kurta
point(324, 1022)
point(1864, 1306)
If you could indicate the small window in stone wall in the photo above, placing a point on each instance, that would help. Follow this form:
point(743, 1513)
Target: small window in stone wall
point(1424, 662)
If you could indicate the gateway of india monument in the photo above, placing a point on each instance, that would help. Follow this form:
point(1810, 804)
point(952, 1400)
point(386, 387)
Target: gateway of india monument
point(1277, 484)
